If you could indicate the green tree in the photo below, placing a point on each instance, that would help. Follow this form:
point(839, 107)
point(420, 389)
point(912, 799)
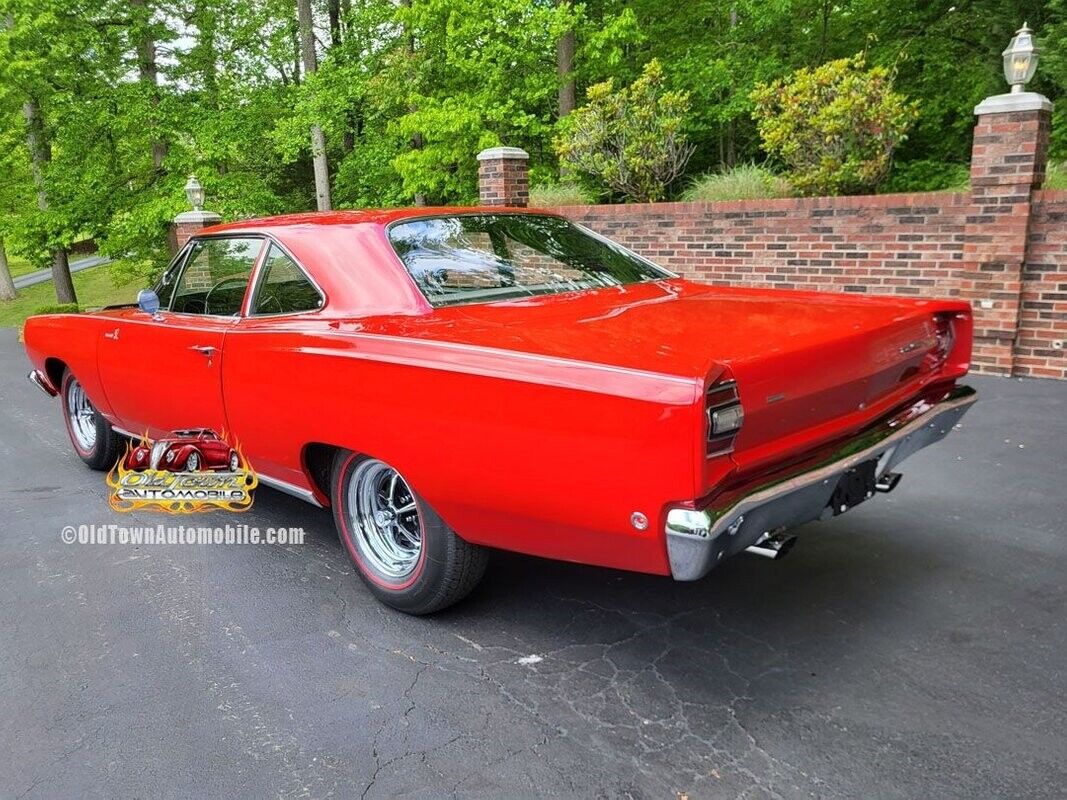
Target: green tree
point(835, 127)
point(631, 141)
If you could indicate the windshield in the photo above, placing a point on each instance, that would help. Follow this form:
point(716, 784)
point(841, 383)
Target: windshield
point(472, 258)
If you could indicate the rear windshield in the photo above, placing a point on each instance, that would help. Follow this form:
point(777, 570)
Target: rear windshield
point(472, 258)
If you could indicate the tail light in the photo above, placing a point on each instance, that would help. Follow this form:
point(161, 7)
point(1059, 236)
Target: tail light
point(725, 416)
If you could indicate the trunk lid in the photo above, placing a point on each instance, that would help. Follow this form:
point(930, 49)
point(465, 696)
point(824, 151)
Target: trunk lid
point(808, 365)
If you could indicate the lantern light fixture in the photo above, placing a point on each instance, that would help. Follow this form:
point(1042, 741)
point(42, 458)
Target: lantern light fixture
point(1020, 59)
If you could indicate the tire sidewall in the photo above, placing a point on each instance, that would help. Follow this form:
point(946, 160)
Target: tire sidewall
point(88, 456)
point(414, 591)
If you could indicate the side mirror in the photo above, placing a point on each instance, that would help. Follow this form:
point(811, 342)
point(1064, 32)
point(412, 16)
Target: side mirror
point(148, 301)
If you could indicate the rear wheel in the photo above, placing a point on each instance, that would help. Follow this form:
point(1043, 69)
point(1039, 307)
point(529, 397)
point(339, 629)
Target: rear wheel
point(94, 440)
point(404, 551)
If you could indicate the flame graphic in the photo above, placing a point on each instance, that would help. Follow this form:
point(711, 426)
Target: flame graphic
point(238, 485)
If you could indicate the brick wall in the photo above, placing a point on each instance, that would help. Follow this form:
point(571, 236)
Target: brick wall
point(911, 245)
point(1039, 346)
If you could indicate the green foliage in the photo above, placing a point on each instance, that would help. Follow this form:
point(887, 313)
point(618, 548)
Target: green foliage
point(743, 182)
point(558, 194)
point(1056, 175)
point(924, 175)
point(58, 308)
point(630, 141)
point(835, 126)
point(408, 92)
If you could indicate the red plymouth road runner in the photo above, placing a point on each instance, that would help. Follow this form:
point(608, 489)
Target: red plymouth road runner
point(449, 380)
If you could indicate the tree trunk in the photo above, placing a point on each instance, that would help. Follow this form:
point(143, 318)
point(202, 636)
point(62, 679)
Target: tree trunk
point(318, 139)
point(416, 139)
point(565, 72)
point(148, 75)
point(333, 10)
point(7, 285)
point(567, 99)
point(40, 155)
point(207, 24)
point(731, 126)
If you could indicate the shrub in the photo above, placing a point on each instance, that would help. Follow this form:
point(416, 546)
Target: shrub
point(58, 308)
point(927, 176)
point(558, 194)
point(1056, 175)
point(629, 141)
point(743, 182)
point(835, 126)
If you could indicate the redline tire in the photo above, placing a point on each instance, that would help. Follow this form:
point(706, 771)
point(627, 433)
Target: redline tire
point(441, 569)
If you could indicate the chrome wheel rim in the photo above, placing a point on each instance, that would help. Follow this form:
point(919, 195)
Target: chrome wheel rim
point(82, 416)
point(385, 520)
point(192, 463)
point(235, 462)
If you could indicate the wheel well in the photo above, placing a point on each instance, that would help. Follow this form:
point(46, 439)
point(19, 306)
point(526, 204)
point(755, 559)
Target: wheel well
point(54, 368)
point(318, 463)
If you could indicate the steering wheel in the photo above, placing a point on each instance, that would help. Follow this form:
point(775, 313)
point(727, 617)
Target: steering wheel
point(220, 285)
point(265, 300)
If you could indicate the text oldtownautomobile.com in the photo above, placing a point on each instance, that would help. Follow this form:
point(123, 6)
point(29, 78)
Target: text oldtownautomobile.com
point(178, 534)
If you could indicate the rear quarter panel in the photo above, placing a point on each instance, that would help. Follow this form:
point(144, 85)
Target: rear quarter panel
point(530, 454)
point(71, 340)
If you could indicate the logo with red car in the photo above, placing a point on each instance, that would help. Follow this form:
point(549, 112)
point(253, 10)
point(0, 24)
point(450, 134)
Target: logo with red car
point(189, 471)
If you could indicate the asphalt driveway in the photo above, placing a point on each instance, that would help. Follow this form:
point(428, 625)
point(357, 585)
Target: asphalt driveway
point(915, 647)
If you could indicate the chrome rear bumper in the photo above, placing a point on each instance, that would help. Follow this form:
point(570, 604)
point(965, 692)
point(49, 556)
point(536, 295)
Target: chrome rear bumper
point(698, 539)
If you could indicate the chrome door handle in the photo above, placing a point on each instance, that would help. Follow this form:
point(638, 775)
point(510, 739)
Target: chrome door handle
point(112, 334)
point(205, 350)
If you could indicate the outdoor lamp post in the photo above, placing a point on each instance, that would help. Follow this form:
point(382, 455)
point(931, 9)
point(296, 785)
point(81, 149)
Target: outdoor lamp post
point(195, 192)
point(1020, 59)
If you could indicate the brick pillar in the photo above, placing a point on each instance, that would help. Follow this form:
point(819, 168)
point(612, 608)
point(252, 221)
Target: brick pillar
point(188, 224)
point(1008, 161)
point(503, 177)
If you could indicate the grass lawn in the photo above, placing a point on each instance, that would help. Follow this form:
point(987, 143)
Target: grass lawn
point(93, 286)
point(19, 266)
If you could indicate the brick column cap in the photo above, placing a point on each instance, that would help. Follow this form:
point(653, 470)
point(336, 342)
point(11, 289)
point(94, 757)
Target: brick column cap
point(204, 218)
point(1015, 101)
point(495, 153)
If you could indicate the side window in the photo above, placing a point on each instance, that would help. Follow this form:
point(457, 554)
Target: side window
point(216, 276)
point(283, 287)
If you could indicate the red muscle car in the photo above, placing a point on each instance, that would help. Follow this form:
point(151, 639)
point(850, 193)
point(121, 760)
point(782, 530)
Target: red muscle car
point(448, 380)
point(185, 451)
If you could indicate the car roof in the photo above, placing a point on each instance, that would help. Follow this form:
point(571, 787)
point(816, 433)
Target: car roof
point(349, 256)
point(370, 216)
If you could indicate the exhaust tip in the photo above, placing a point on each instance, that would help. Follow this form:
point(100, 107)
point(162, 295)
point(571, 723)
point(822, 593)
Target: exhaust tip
point(772, 545)
point(888, 482)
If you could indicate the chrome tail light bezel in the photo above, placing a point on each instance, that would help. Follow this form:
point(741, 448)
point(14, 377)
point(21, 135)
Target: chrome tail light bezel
point(722, 409)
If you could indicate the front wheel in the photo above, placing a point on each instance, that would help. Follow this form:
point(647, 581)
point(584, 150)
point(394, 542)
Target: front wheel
point(405, 553)
point(94, 440)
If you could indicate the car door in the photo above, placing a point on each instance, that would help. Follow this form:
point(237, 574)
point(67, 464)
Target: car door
point(262, 369)
point(163, 372)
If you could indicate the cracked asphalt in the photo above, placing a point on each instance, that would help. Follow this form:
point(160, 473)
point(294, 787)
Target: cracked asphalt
point(914, 647)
